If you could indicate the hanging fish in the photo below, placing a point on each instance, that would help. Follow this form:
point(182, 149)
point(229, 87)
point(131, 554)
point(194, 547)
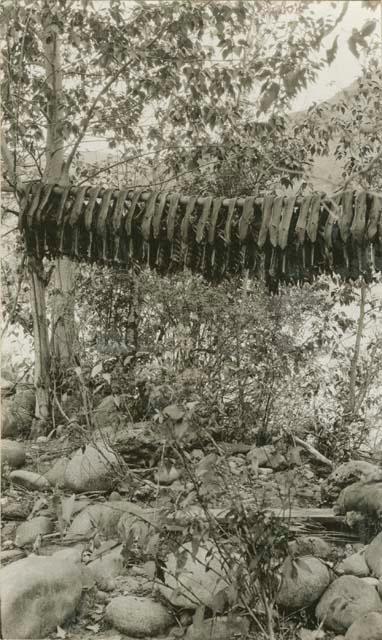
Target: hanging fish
point(149, 214)
point(203, 220)
point(266, 218)
point(102, 215)
point(246, 217)
point(90, 209)
point(116, 221)
point(159, 209)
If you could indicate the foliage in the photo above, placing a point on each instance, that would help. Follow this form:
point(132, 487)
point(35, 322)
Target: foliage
point(192, 67)
point(195, 96)
point(349, 127)
point(251, 365)
point(192, 353)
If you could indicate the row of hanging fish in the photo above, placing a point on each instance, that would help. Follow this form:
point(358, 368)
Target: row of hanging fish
point(277, 237)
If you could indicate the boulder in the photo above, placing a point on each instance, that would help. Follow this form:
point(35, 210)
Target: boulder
point(104, 517)
point(37, 594)
point(354, 565)
point(310, 546)
point(237, 466)
point(72, 554)
point(29, 480)
point(138, 522)
point(303, 581)
point(373, 556)
point(346, 600)
point(28, 531)
point(12, 453)
point(138, 617)
point(219, 628)
point(136, 441)
point(17, 411)
point(197, 581)
point(368, 627)
point(110, 412)
point(370, 580)
point(15, 509)
point(10, 555)
point(266, 456)
point(361, 497)
point(56, 474)
point(92, 469)
point(108, 566)
point(346, 474)
point(6, 386)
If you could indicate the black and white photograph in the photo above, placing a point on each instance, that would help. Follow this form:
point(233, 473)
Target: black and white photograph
point(191, 320)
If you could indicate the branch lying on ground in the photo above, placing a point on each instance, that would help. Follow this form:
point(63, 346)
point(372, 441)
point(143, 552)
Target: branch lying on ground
point(316, 454)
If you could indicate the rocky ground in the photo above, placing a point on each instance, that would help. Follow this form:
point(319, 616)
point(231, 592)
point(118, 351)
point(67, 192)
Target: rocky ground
point(74, 516)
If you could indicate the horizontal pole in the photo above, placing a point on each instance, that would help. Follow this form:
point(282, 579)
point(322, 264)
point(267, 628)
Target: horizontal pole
point(145, 195)
point(182, 200)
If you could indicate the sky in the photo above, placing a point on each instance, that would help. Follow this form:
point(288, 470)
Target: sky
point(346, 68)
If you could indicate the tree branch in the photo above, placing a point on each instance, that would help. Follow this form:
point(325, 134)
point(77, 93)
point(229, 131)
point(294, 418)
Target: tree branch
point(97, 98)
point(313, 452)
point(19, 283)
point(85, 125)
point(10, 168)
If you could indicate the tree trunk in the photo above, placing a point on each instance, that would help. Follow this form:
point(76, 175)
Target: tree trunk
point(55, 172)
point(63, 324)
point(41, 340)
point(63, 335)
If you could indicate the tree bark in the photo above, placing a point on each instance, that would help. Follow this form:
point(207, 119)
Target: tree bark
point(41, 339)
point(56, 171)
point(64, 334)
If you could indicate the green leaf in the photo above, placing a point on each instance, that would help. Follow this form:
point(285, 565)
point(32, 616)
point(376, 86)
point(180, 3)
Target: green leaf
point(206, 464)
point(269, 97)
point(60, 633)
point(368, 28)
point(352, 43)
point(174, 412)
point(219, 601)
point(180, 429)
point(96, 370)
point(195, 543)
point(332, 51)
point(232, 595)
point(153, 544)
point(181, 560)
